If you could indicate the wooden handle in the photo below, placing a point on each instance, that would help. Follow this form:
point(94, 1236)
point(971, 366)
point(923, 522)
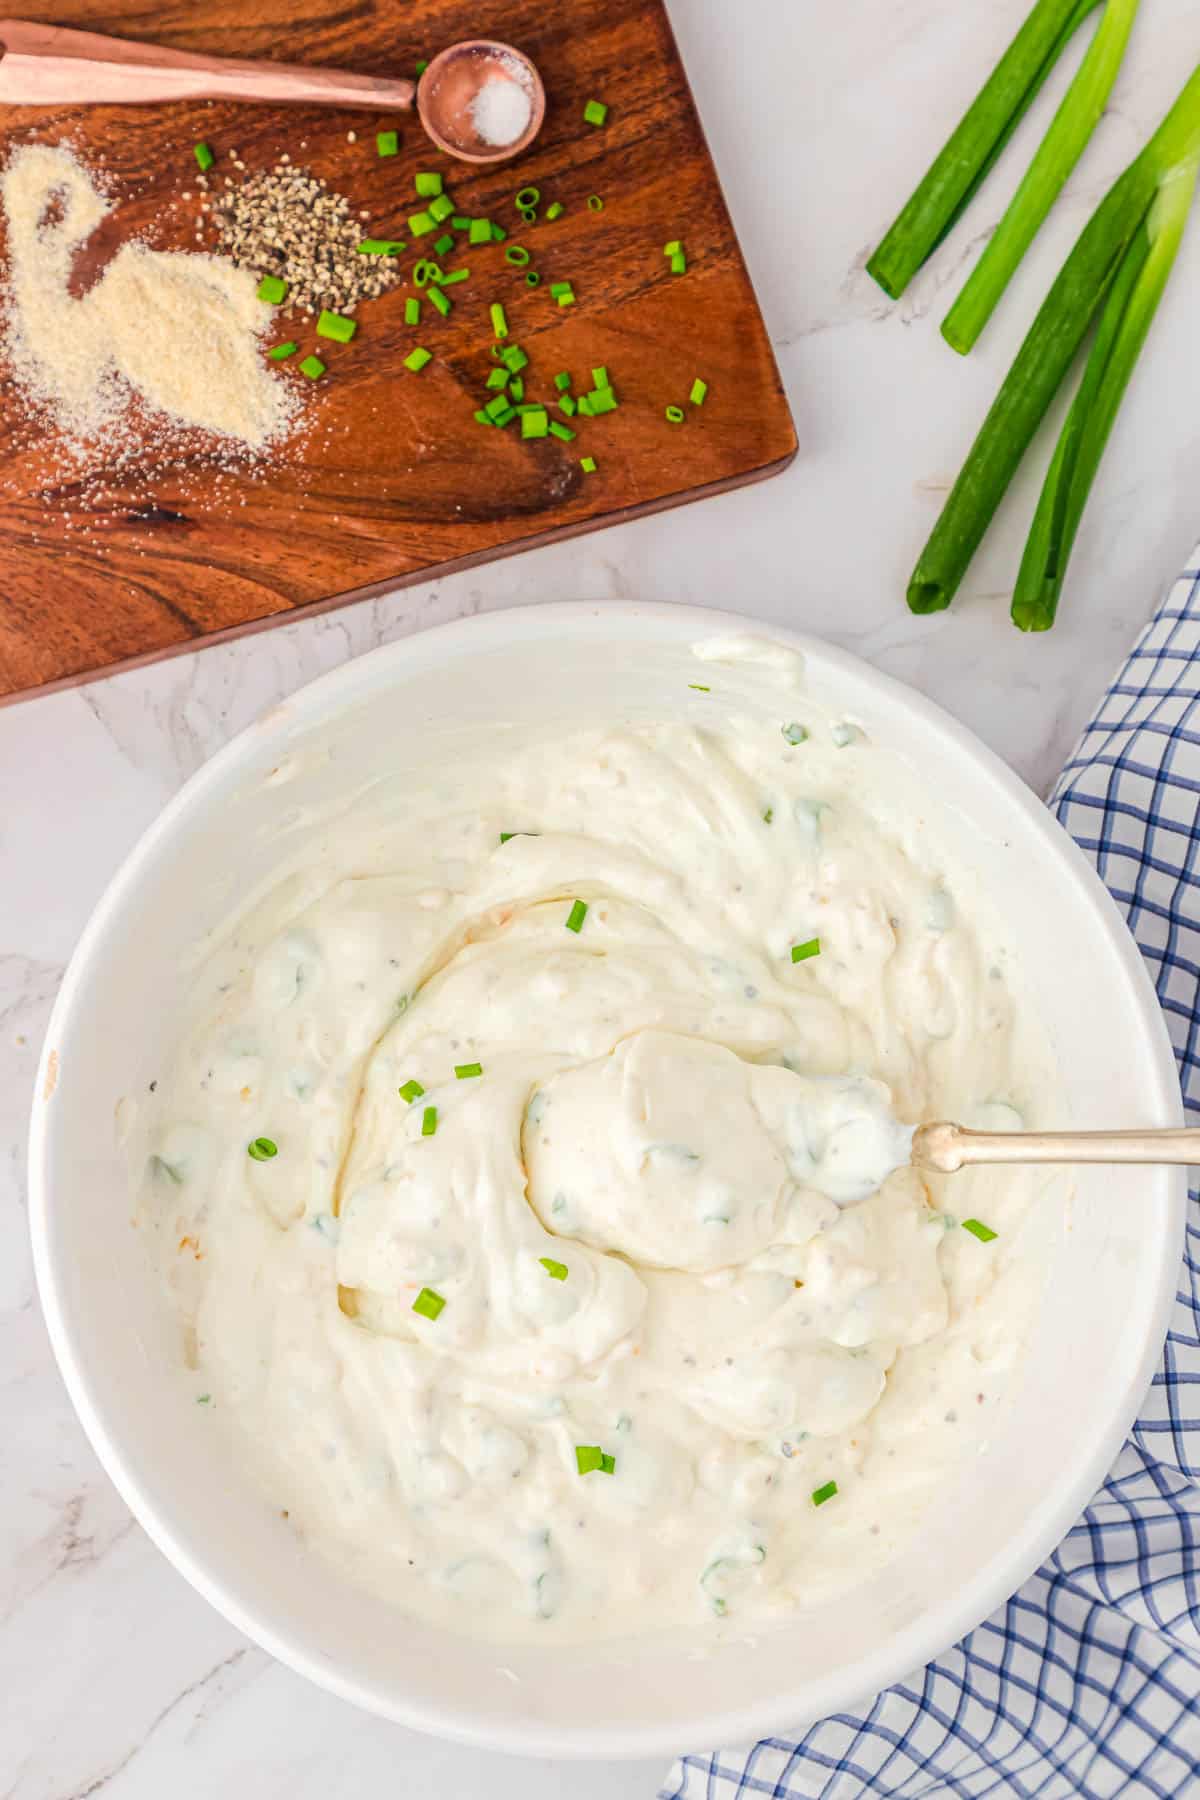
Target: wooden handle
point(946, 1148)
point(46, 65)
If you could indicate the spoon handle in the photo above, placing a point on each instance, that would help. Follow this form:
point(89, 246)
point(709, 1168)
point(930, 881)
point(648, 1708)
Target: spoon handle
point(945, 1148)
point(47, 65)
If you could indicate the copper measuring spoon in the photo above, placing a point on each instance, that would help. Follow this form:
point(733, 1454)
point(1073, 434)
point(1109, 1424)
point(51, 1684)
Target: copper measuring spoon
point(48, 65)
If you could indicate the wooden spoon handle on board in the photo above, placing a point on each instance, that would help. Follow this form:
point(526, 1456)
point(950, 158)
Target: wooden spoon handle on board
point(48, 65)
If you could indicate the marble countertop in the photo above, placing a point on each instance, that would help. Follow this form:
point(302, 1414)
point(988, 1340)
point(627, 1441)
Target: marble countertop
point(116, 1678)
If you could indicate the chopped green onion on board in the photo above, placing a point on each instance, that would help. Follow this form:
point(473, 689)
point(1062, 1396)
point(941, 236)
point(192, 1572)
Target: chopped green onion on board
point(336, 326)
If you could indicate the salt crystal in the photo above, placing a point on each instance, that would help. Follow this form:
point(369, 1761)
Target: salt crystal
point(501, 110)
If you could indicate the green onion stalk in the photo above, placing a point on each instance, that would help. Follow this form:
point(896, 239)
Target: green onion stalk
point(977, 143)
point(1117, 271)
point(1060, 150)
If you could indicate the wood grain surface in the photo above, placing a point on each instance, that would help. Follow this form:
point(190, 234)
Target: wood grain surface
point(395, 481)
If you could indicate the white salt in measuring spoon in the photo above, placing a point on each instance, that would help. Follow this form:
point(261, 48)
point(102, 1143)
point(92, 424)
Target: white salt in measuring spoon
point(48, 65)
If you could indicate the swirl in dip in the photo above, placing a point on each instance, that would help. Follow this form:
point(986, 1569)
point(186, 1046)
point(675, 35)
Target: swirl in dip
point(587, 1290)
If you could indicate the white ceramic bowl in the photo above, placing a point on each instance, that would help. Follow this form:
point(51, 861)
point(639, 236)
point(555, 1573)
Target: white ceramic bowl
point(1109, 1287)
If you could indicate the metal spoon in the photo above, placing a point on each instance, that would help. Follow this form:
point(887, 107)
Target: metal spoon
point(945, 1148)
point(48, 65)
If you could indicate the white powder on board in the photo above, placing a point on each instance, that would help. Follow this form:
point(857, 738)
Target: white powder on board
point(501, 109)
point(179, 330)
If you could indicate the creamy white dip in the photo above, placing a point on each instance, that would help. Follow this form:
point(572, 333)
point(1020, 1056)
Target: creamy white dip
point(587, 1290)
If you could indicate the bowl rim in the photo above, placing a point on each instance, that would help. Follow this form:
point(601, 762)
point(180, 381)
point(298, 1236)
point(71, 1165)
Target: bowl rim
point(913, 1646)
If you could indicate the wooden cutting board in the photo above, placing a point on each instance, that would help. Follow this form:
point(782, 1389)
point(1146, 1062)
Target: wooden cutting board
point(396, 482)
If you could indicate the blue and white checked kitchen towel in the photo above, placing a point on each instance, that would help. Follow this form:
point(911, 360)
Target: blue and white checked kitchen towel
point(1087, 1683)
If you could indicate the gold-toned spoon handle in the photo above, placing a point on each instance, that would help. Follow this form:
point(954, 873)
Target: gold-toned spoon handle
point(945, 1148)
point(48, 65)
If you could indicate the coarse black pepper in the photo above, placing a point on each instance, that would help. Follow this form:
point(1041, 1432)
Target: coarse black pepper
point(286, 221)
